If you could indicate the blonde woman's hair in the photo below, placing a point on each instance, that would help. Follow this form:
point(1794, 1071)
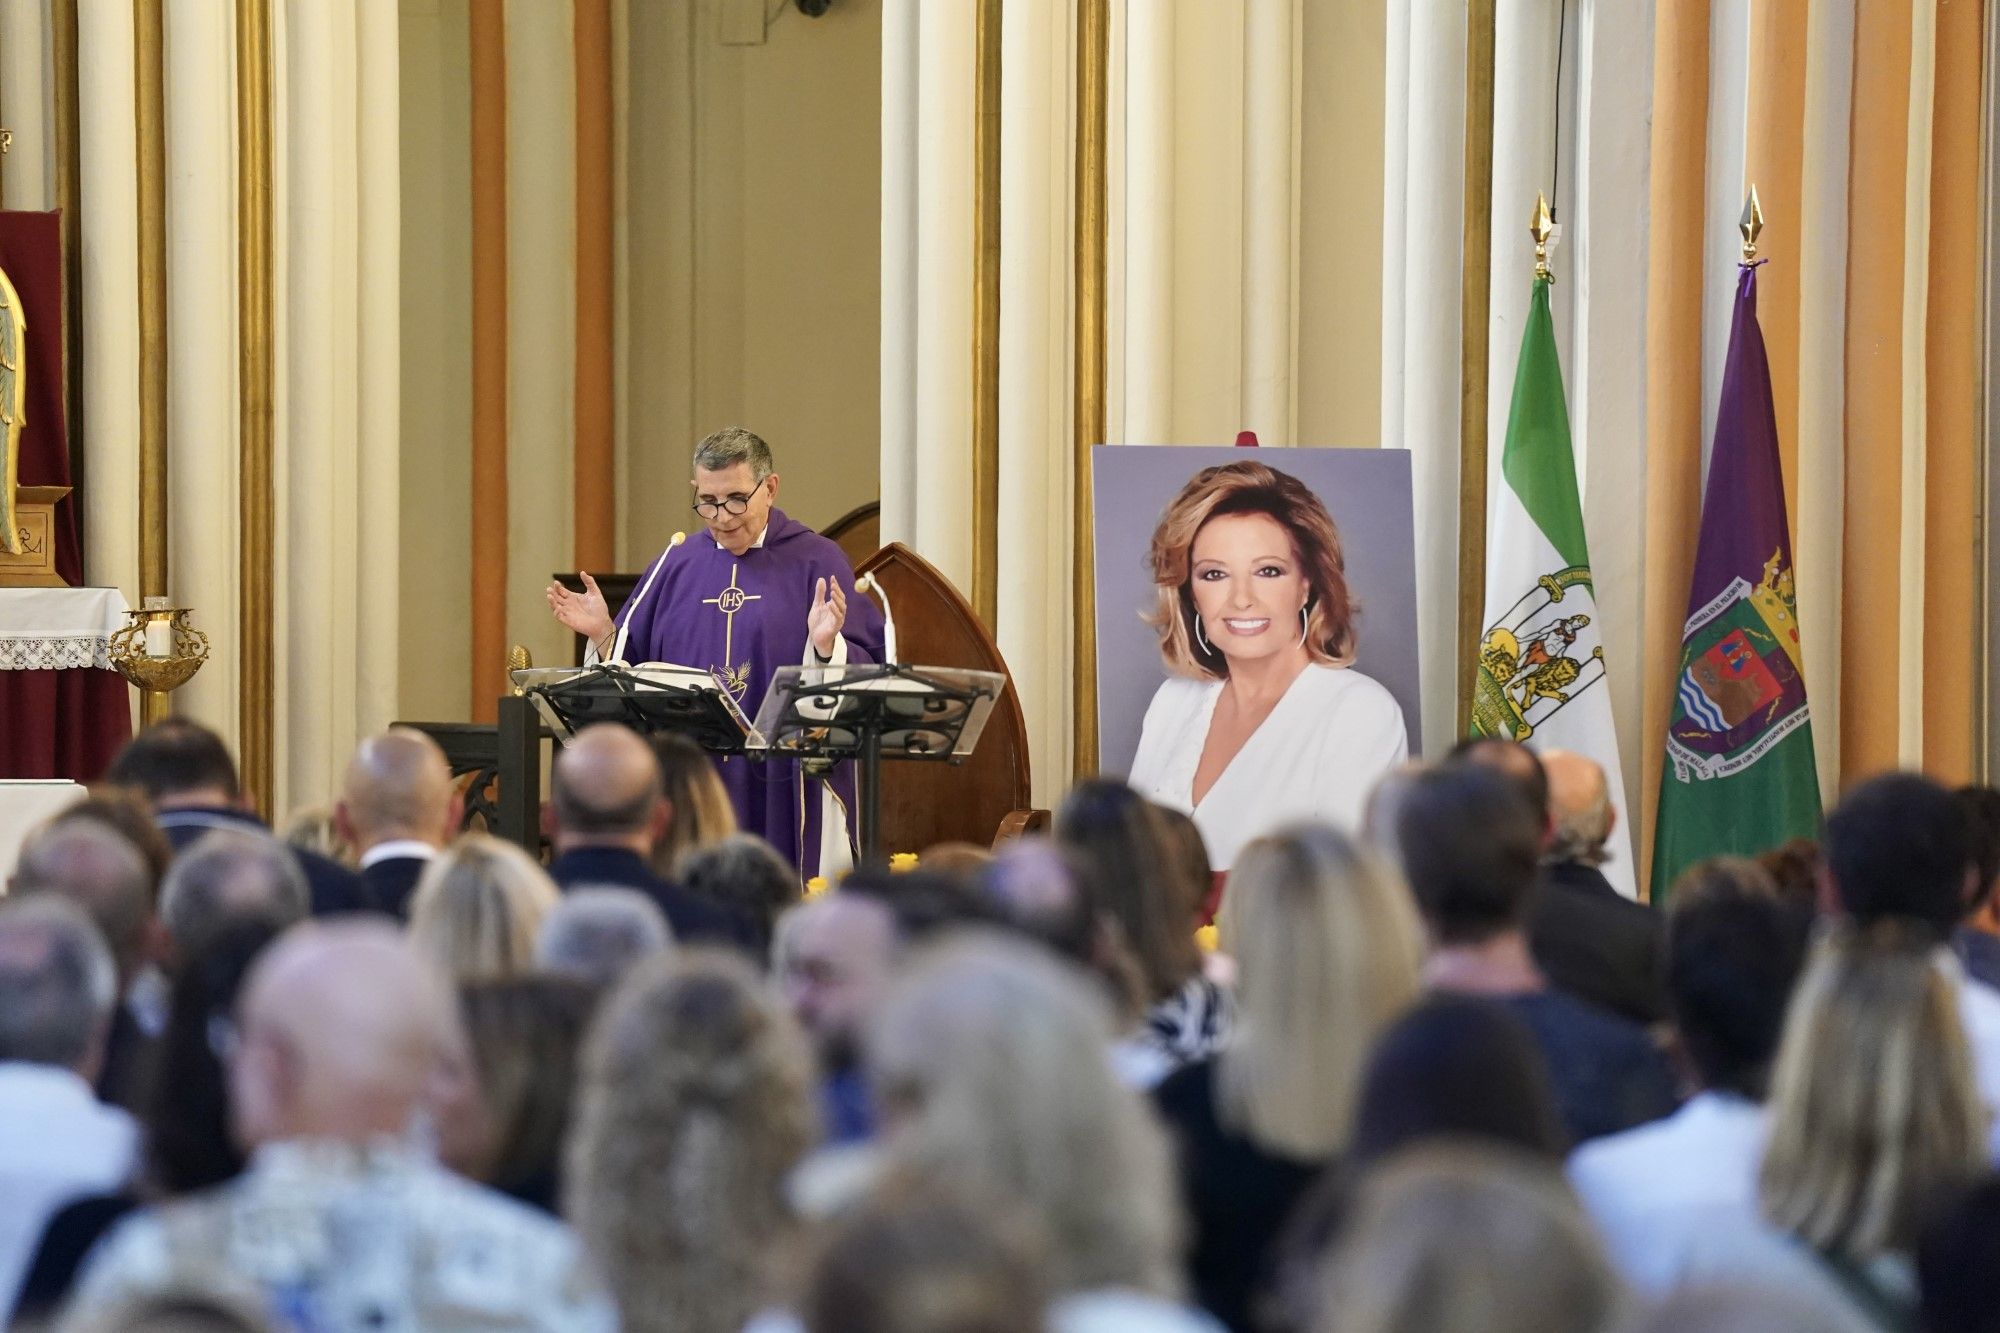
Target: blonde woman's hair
point(1328, 945)
point(1452, 1238)
point(702, 815)
point(696, 1106)
point(989, 1058)
point(1873, 1105)
point(478, 907)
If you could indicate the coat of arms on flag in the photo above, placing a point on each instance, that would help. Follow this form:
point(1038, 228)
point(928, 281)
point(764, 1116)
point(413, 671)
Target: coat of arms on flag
point(1541, 655)
point(1741, 690)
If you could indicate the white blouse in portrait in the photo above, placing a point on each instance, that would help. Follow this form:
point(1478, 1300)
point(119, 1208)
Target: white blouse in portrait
point(1315, 757)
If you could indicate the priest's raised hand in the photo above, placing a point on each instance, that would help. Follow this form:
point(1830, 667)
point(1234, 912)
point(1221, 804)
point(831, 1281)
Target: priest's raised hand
point(826, 616)
point(583, 613)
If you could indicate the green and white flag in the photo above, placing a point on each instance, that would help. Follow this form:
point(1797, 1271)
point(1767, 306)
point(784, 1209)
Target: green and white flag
point(1541, 658)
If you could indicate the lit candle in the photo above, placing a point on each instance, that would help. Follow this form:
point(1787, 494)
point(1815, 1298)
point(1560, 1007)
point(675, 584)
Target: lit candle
point(159, 638)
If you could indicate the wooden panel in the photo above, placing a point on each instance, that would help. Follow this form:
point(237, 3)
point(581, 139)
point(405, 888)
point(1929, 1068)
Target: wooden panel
point(858, 532)
point(925, 804)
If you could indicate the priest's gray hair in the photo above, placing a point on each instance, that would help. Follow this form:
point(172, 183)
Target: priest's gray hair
point(597, 933)
point(732, 445)
point(57, 982)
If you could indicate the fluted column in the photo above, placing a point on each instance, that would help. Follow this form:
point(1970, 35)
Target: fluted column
point(1148, 316)
point(201, 348)
point(27, 105)
point(110, 244)
point(1270, 217)
point(1033, 626)
point(900, 176)
point(942, 515)
point(1431, 126)
point(337, 366)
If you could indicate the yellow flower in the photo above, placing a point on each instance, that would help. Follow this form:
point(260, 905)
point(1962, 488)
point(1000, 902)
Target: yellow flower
point(901, 861)
point(816, 886)
point(1209, 938)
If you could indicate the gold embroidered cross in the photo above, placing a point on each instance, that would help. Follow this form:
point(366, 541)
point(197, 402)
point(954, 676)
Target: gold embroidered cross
point(729, 601)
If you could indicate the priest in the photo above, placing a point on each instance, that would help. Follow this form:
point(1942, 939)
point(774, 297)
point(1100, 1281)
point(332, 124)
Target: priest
point(755, 592)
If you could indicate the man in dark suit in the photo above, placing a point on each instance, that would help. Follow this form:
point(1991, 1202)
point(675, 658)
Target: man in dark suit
point(607, 808)
point(1587, 938)
point(185, 771)
point(397, 807)
point(1592, 940)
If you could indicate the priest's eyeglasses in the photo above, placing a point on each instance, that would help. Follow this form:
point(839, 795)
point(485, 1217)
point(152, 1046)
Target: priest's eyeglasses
point(735, 504)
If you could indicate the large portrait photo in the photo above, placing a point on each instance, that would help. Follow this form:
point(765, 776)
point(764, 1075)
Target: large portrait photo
point(1256, 630)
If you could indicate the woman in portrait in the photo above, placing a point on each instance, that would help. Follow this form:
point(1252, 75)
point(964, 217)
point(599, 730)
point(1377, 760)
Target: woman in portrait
point(1262, 721)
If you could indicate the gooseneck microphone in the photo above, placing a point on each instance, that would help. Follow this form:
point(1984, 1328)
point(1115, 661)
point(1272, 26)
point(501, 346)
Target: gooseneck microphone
point(869, 583)
point(631, 607)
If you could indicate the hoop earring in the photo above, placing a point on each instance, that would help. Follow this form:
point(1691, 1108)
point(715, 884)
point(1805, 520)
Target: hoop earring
point(1305, 623)
point(1201, 638)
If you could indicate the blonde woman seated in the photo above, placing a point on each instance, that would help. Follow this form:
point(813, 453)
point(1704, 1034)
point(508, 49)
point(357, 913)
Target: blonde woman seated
point(1263, 721)
point(1874, 1113)
point(478, 907)
point(1328, 946)
point(695, 1107)
point(989, 1072)
point(701, 814)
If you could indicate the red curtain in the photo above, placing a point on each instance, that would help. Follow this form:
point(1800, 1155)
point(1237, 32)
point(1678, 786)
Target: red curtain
point(31, 253)
point(62, 724)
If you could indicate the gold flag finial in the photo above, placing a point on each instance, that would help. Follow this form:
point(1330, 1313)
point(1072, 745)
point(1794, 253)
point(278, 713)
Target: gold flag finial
point(518, 660)
point(1752, 225)
point(1542, 226)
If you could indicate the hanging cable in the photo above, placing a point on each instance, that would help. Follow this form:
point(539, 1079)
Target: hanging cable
point(1555, 197)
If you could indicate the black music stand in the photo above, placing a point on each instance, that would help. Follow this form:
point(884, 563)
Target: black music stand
point(644, 698)
point(871, 712)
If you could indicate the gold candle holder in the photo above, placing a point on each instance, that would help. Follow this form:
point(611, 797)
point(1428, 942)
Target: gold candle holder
point(135, 651)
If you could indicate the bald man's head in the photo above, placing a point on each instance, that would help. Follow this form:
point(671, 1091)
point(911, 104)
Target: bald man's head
point(1579, 807)
point(98, 869)
point(343, 1029)
point(398, 785)
point(607, 788)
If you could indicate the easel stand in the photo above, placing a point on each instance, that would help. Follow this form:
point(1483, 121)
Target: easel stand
point(869, 713)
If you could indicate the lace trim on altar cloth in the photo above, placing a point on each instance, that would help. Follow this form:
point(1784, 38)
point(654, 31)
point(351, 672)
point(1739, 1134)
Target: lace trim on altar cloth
point(65, 653)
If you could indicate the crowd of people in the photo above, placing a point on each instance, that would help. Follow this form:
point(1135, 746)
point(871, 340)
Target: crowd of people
point(1430, 1075)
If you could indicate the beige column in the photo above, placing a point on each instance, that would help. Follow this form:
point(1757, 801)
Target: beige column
point(337, 361)
point(378, 387)
point(1395, 222)
point(317, 425)
point(1915, 372)
point(202, 510)
point(1035, 473)
point(1722, 246)
point(1432, 218)
point(1606, 371)
point(943, 481)
point(1822, 288)
point(27, 105)
point(1147, 323)
point(1270, 217)
point(110, 258)
point(541, 291)
point(900, 21)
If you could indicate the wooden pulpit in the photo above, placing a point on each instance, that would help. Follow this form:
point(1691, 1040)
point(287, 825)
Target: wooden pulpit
point(926, 804)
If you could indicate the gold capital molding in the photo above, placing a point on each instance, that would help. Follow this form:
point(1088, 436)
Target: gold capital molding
point(1475, 312)
point(149, 52)
point(986, 313)
point(256, 495)
point(1093, 57)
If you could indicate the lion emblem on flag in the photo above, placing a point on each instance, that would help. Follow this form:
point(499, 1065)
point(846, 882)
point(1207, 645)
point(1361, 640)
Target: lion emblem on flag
point(1536, 660)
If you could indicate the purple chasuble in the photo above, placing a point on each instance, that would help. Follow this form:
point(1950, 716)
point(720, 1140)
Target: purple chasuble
point(743, 617)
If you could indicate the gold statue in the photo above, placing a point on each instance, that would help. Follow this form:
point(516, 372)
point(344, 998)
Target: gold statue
point(13, 403)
